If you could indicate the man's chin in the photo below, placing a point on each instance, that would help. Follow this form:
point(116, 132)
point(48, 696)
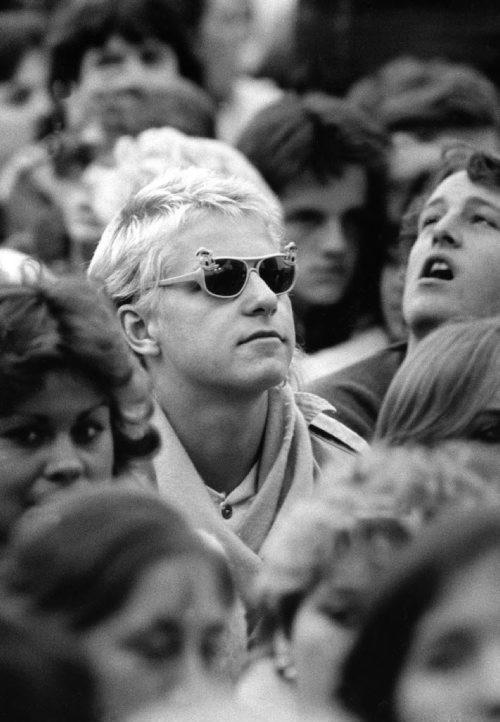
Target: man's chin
point(262, 379)
point(422, 321)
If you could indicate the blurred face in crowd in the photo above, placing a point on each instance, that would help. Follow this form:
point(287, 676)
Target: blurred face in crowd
point(325, 625)
point(224, 28)
point(453, 265)
point(24, 100)
point(165, 641)
point(58, 437)
point(75, 199)
point(242, 344)
point(326, 221)
point(119, 64)
point(453, 665)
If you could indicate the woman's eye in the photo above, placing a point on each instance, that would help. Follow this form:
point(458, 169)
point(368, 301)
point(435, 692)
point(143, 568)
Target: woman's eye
point(28, 436)
point(489, 434)
point(87, 432)
point(19, 95)
point(448, 655)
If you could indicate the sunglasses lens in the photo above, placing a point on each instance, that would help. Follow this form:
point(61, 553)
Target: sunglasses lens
point(278, 274)
point(227, 279)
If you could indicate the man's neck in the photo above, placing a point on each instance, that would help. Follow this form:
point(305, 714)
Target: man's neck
point(222, 437)
point(417, 333)
point(412, 342)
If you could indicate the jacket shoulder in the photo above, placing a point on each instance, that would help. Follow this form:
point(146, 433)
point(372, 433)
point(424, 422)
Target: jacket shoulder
point(336, 432)
point(319, 415)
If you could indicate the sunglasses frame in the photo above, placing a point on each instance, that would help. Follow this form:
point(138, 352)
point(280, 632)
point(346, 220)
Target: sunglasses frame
point(207, 263)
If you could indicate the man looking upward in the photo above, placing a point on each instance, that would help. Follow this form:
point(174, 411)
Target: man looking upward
point(200, 274)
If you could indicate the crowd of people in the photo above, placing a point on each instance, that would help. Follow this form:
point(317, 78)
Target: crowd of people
point(249, 366)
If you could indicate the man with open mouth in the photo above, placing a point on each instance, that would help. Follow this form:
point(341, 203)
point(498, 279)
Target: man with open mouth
point(451, 236)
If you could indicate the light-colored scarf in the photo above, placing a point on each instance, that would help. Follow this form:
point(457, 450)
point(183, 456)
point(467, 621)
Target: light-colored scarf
point(294, 463)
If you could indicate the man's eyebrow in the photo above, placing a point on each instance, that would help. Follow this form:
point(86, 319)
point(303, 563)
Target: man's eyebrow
point(479, 200)
point(471, 201)
point(433, 203)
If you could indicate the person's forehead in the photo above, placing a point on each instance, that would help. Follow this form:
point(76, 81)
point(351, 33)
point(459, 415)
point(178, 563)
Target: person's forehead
point(242, 236)
point(350, 188)
point(353, 572)
point(459, 187)
point(174, 587)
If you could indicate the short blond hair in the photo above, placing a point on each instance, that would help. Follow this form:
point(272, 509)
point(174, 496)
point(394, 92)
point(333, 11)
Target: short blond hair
point(136, 246)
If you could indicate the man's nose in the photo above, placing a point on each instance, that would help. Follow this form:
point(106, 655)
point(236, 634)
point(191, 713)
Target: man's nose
point(64, 464)
point(331, 236)
point(258, 297)
point(447, 233)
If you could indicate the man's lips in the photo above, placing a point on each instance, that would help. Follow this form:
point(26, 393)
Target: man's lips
point(262, 335)
point(437, 268)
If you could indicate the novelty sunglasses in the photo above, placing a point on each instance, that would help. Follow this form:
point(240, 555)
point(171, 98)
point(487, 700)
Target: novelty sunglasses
point(226, 277)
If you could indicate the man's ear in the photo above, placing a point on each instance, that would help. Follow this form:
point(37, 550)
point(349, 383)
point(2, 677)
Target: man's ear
point(138, 331)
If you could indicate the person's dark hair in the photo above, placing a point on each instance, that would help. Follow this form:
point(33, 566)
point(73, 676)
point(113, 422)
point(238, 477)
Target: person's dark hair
point(321, 135)
point(481, 167)
point(427, 96)
point(44, 677)
point(23, 31)
point(20, 31)
point(81, 25)
point(443, 386)
point(314, 133)
point(83, 557)
point(69, 323)
point(191, 12)
point(374, 665)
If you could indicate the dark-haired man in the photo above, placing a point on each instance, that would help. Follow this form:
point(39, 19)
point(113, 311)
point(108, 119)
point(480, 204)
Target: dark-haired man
point(326, 162)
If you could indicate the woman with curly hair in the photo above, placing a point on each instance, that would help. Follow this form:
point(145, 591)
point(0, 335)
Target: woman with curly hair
point(75, 406)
